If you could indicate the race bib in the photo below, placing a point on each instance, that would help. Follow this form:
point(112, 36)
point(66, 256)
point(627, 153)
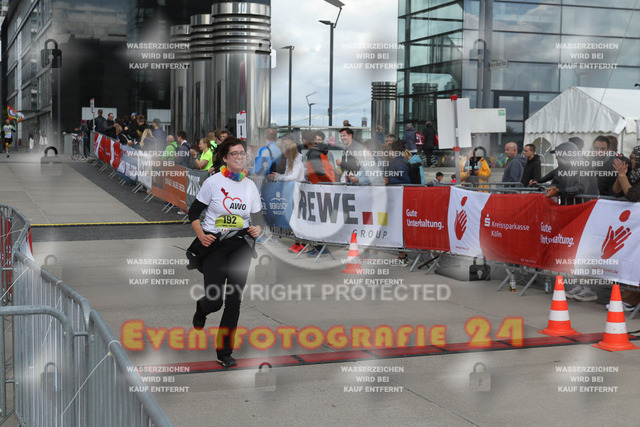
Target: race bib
point(229, 221)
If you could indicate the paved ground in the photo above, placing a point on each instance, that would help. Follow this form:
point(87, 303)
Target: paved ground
point(416, 386)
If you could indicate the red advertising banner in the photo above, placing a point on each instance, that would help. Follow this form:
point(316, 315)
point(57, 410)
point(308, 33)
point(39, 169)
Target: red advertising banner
point(561, 228)
point(510, 228)
point(169, 183)
point(425, 214)
point(108, 150)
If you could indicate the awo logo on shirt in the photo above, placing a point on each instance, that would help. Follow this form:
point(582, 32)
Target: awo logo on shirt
point(232, 202)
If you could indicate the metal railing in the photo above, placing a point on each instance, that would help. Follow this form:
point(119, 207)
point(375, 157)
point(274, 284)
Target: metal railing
point(62, 364)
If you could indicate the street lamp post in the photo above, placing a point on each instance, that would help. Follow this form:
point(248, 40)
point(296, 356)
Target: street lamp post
point(310, 104)
point(290, 48)
point(332, 26)
point(54, 57)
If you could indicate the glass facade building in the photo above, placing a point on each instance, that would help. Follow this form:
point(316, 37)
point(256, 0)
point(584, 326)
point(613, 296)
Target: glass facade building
point(96, 58)
point(512, 54)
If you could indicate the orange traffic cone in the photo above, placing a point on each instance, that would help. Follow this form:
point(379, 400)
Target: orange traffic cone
point(559, 323)
point(353, 261)
point(615, 332)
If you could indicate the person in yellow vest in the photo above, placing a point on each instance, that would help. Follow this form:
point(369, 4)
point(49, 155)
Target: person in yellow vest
point(206, 155)
point(474, 168)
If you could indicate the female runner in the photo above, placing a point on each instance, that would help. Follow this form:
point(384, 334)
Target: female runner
point(225, 242)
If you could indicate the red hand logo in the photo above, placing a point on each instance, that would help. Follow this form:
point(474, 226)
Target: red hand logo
point(614, 241)
point(461, 223)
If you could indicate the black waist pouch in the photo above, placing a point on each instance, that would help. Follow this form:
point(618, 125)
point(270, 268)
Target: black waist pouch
point(196, 252)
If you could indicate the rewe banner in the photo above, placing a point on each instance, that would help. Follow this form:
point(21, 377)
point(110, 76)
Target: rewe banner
point(331, 213)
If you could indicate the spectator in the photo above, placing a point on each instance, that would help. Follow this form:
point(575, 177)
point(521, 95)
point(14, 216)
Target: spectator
point(122, 137)
point(352, 155)
point(429, 142)
point(158, 133)
point(439, 180)
point(86, 136)
point(31, 142)
point(532, 169)
point(566, 183)
point(378, 136)
point(475, 168)
point(213, 146)
point(221, 135)
point(628, 179)
point(109, 129)
point(205, 161)
point(416, 171)
point(409, 138)
point(147, 141)
point(388, 140)
point(345, 123)
point(141, 126)
point(515, 164)
point(454, 179)
point(100, 122)
point(606, 177)
point(170, 150)
point(318, 167)
point(294, 170)
point(278, 162)
point(42, 141)
point(183, 150)
point(398, 169)
point(131, 128)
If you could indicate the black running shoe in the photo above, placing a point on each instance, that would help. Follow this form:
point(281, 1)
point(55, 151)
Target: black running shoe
point(199, 319)
point(227, 361)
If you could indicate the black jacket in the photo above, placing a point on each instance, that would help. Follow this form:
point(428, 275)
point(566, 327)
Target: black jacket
point(429, 137)
point(109, 130)
point(532, 171)
point(352, 157)
point(101, 124)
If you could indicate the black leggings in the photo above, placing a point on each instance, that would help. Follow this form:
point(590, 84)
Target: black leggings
point(228, 263)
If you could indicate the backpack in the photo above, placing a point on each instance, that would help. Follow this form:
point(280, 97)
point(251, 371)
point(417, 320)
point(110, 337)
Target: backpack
point(414, 173)
point(263, 162)
point(419, 138)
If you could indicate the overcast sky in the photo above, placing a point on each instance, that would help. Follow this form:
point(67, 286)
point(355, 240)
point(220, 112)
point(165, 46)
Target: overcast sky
point(361, 21)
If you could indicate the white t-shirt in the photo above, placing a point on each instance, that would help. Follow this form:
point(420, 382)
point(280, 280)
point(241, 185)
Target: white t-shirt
point(295, 174)
point(8, 131)
point(230, 203)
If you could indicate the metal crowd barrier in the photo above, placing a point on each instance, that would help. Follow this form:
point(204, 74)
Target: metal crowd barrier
point(62, 364)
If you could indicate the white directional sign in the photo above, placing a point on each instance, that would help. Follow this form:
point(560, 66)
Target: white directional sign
point(446, 123)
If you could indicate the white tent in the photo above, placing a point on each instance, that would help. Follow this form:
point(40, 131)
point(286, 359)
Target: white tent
point(587, 112)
